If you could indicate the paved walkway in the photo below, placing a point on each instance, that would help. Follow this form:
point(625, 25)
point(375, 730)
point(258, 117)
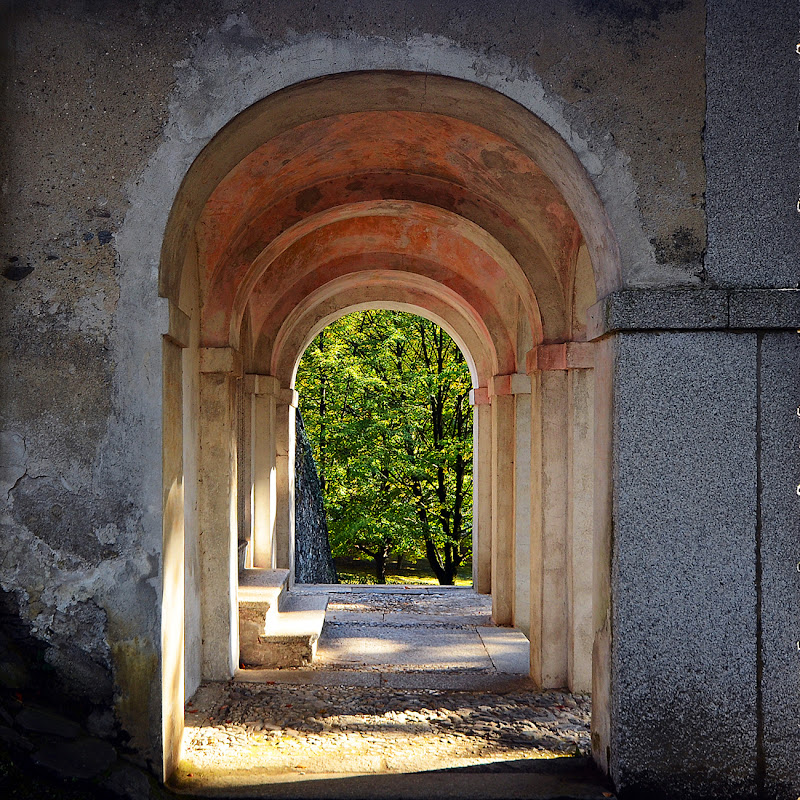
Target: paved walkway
point(409, 685)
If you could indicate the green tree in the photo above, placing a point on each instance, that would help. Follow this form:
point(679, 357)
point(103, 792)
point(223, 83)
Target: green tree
point(385, 399)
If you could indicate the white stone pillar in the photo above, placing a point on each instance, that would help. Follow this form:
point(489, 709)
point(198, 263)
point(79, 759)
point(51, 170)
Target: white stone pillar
point(555, 619)
point(521, 389)
point(604, 389)
point(502, 500)
point(580, 528)
point(220, 368)
point(481, 490)
point(173, 537)
point(561, 515)
point(264, 391)
point(536, 572)
point(285, 408)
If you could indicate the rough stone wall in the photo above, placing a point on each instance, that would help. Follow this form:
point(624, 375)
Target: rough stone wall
point(312, 550)
point(80, 438)
point(104, 106)
point(752, 141)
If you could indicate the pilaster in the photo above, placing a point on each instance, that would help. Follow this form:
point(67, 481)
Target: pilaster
point(220, 369)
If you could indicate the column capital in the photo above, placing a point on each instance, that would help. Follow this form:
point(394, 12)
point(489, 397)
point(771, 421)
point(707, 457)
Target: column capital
point(262, 384)
point(221, 359)
point(516, 383)
point(563, 355)
point(289, 397)
point(479, 396)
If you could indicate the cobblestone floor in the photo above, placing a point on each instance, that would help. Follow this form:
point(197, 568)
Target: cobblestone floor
point(290, 726)
point(358, 729)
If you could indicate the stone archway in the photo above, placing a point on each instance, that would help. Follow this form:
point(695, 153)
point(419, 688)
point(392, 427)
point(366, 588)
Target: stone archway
point(376, 289)
point(364, 188)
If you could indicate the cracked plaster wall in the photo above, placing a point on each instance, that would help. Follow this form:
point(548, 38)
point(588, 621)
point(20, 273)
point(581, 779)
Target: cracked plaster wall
point(105, 106)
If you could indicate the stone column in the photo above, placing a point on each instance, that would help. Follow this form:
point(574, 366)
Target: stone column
point(561, 515)
point(503, 445)
point(220, 368)
point(521, 389)
point(535, 570)
point(263, 390)
point(173, 534)
point(285, 408)
point(481, 490)
point(580, 522)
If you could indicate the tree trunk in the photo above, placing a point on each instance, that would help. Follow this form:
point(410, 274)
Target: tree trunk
point(380, 567)
point(313, 561)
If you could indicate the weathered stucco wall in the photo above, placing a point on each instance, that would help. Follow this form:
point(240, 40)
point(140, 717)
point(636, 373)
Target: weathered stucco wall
point(105, 106)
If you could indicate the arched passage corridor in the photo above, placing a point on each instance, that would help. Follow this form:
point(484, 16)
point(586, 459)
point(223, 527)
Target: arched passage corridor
point(396, 190)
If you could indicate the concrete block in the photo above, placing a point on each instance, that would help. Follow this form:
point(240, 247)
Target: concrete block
point(520, 384)
point(262, 384)
point(552, 596)
point(264, 586)
point(683, 567)
point(565, 355)
point(178, 327)
point(479, 396)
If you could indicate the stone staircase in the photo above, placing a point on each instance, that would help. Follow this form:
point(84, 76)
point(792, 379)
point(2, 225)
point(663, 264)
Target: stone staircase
point(277, 628)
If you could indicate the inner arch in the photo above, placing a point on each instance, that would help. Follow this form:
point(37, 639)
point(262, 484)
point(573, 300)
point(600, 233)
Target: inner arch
point(389, 305)
point(507, 135)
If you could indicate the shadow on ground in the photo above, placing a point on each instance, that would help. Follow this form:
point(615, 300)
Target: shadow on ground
point(557, 779)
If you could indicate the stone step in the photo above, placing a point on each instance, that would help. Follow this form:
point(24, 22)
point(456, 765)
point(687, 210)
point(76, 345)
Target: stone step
point(277, 628)
point(268, 587)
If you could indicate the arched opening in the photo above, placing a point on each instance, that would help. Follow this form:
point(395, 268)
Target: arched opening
point(408, 191)
point(384, 396)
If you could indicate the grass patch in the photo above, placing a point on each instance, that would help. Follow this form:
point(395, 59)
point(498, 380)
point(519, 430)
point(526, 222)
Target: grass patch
point(409, 573)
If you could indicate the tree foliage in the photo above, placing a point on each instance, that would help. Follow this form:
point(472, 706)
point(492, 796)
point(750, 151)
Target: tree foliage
point(385, 399)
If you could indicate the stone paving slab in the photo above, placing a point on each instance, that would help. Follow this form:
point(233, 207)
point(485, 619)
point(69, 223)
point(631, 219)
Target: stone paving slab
point(346, 615)
point(389, 588)
point(508, 649)
point(401, 647)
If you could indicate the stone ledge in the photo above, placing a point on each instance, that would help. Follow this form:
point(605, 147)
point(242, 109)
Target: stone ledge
point(683, 309)
point(764, 308)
